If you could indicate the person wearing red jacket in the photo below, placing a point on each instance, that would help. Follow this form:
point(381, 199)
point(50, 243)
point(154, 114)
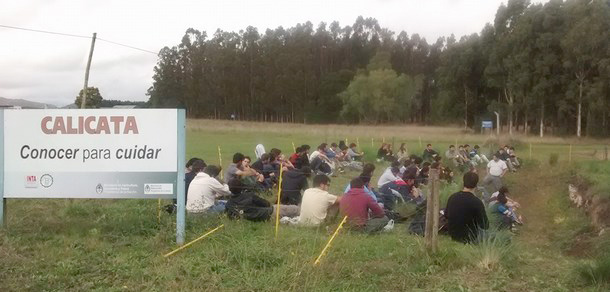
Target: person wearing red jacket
point(356, 204)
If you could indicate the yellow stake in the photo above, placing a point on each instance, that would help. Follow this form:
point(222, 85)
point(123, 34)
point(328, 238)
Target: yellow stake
point(358, 141)
point(372, 142)
point(346, 143)
point(294, 149)
point(383, 140)
point(329, 241)
point(159, 211)
point(277, 208)
point(188, 244)
point(220, 162)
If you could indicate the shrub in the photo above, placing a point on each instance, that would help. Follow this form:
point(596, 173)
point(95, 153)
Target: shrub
point(553, 159)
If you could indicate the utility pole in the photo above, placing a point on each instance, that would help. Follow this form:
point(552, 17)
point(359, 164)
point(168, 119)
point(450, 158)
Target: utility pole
point(83, 102)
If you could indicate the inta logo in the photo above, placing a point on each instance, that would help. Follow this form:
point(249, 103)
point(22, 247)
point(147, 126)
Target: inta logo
point(31, 181)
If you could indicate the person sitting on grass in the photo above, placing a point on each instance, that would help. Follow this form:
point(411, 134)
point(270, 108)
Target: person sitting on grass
point(452, 155)
point(293, 181)
point(332, 151)
point(265, 166)
point(345, 161)
point(365, 176)
point(402, 154)
point(385, 153)
point(353, 153)
point(464, 156)
point(319, 162)
point(237, 170)
point(297, 158)
point(245, 204)
point(507, 216)
point(429, 153)
point(256, 178)
point(466, 213)
point(478, 157)
point(259, 150)
point(424, 174)
point(390, 174)
point(317, 202)
point(280, 161)
point(510, 202)
point(205, 190)
point(356, 205)
point(513, 157)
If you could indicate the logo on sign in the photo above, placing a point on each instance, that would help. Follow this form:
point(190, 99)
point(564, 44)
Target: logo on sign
point(99, 188)
point(46, 180)
point(31, 181)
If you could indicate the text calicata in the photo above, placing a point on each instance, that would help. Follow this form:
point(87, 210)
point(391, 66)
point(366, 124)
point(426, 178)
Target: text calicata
point(89, 125)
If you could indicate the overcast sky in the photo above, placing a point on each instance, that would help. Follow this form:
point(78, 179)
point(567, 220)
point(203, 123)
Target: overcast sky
point(50, 68)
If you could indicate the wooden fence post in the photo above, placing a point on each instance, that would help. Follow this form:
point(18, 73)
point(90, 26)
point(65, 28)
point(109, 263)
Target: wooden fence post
point(432, 212)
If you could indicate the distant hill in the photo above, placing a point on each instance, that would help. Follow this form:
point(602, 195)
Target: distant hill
point(7, 102)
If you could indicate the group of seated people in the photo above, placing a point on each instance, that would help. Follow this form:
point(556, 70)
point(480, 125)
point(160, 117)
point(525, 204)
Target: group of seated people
point(368, 207)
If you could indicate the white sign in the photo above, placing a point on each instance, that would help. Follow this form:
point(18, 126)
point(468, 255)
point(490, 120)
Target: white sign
point(110, 153)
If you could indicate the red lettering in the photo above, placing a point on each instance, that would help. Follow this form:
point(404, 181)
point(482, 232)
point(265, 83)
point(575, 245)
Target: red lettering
point(59, 126)
point(81, 122)
point(117, 124)
point(102, 125)
point(88, 127)
point(131, 125)
point(44, 125)
point(70, 128)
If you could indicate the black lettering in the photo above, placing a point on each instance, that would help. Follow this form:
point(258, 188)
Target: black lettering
point(26, 155)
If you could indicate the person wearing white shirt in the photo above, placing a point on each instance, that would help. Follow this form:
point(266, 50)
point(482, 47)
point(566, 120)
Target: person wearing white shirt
point(316, 202)
point(204, 191)
point(389, 175)
point(496, 169)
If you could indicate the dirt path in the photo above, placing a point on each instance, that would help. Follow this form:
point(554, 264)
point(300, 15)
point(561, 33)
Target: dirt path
point(537, 191)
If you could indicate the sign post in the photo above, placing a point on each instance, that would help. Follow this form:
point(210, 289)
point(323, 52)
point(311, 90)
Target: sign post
point(180, 184)
point(487, 124)
point(2, 199)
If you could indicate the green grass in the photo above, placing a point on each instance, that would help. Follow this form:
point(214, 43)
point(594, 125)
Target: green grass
point(117, 245)
point(597, 172)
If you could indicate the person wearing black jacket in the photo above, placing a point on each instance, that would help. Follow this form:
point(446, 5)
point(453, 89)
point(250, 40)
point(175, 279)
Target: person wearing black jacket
point(466, 213)
point(293, 181)
point(245, 204)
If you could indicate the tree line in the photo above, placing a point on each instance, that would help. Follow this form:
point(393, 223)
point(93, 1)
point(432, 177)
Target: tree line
point(543, 67)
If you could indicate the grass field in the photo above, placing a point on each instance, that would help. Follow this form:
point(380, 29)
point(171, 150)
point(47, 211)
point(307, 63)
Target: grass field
point(117, 245)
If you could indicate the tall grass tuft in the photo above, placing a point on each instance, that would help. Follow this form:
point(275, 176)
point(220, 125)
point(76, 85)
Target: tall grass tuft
point(596, 272)
point(492, 250)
